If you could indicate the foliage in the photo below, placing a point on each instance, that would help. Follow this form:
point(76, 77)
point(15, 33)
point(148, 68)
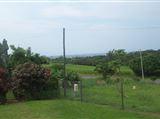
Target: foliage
point(86, 60)
point(57, 70)
point(116, 55)
point(4, 85)
point(30, 81)
point(106, 69)
point(20, 56)
point(72, 77)
point(4, 54)
point(151, 64)
point(4, 82)
point(112, 64)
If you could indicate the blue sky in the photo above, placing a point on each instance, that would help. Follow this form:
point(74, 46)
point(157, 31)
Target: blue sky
point(90, 27)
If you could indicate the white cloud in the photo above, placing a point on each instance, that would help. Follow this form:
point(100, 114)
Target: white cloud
point(27, 26)
point(78, 11)
point(62, 11)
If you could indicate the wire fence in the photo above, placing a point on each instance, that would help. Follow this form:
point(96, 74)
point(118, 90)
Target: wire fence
point(138, 95)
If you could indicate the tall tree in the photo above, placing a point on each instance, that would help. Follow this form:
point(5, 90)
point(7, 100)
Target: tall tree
point(4, 53)
point(4, 82)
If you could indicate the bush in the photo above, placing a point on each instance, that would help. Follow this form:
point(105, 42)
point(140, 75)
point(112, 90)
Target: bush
point(31, 82)
point(72, 77)
point(57, 71)
point(4, 86)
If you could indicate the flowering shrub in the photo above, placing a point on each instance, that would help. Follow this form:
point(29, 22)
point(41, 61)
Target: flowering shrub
point(30, 81)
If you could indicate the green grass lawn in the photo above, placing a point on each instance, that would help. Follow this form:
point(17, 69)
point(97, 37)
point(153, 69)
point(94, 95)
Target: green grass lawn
point(81, 69)
point(64, 109)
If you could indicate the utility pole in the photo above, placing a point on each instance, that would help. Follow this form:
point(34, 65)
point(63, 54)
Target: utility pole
point(142, 70)
point(64, 56)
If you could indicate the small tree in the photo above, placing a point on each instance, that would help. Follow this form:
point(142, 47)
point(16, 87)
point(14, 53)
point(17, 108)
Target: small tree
point(21, 55)
point(117, 55)
point(106, 69)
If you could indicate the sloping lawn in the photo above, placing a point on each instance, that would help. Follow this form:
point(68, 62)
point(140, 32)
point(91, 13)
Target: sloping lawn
point(64, 109)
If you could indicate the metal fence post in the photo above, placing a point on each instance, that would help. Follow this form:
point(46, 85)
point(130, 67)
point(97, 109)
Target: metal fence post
point(81, 93)
point(122, 93)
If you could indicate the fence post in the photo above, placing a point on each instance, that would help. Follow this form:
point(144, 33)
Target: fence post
point(122, 93)
point(81, 93)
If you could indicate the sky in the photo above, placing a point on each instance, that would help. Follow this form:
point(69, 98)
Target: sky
point(90, 27)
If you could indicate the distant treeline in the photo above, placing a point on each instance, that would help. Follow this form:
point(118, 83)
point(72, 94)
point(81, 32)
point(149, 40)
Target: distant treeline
point(88, 60)
point(151, 60)
point(111, 55)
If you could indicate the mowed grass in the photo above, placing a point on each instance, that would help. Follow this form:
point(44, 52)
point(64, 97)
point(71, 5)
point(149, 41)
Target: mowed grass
point(65, 109)
point(81, 69)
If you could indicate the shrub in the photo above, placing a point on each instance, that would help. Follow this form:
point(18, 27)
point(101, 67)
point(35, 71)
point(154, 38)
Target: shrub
point(72, 77)
point(4, 86)
point(57, 70)
point(31, 82)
